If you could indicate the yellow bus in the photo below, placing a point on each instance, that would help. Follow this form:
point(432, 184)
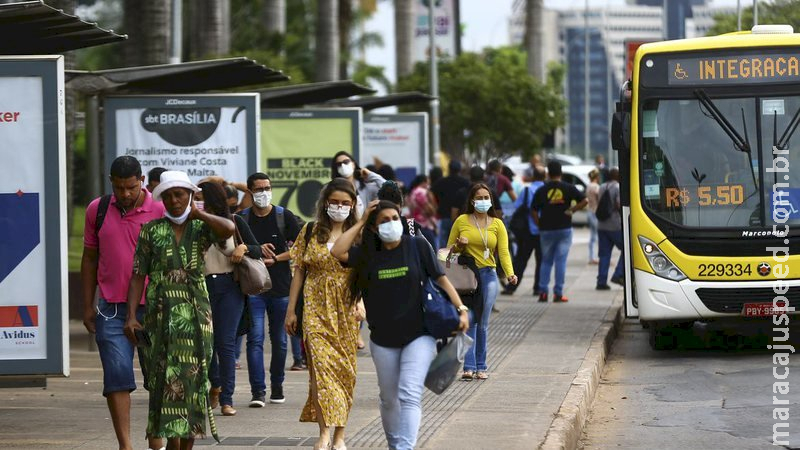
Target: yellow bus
point(710, 167)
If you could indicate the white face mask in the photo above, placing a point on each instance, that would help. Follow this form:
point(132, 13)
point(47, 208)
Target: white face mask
point(262, 199)
point(346, 170)
point(390, 231)
point(338, 215)
point(182, 218)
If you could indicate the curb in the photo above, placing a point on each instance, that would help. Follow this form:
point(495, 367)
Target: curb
point(567, 427)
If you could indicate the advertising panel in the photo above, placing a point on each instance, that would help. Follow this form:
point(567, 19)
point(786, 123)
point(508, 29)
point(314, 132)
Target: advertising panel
point(399, 140)
point(298, 146)
point(34, 338)
point(202, 135)
point(444, 22)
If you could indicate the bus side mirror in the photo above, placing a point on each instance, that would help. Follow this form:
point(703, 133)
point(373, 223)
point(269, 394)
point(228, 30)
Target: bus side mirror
point(621, 131)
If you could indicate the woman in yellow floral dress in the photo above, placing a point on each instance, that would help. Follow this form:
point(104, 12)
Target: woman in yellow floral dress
point(330, 321)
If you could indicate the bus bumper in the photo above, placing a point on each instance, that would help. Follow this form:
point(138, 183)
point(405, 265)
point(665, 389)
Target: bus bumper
point(660, 299)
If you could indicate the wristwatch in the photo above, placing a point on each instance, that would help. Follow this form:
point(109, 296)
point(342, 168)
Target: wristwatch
point(463, 308)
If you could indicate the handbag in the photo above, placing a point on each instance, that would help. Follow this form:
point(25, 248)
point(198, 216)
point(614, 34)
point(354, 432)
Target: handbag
point(447, 364)
point(455, 267)
point(252, 274)
point(439, 315)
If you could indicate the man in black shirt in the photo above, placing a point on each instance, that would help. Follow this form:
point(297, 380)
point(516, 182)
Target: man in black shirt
point(274, 228)
point(552, 211)
point(446, 191)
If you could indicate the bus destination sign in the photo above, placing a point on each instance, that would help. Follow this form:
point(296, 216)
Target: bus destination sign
point(721, 70)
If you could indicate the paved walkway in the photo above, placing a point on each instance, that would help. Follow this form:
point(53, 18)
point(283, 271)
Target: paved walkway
point(535, 351)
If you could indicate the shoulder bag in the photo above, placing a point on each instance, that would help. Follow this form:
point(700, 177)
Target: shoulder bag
point(440, 316)
point(457, 269)
point(252, 274)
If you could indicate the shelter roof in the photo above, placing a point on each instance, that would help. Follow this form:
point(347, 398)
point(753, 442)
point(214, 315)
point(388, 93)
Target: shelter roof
point(312, 93)
point(380, 101)
point(33, 28)
point(195, 76)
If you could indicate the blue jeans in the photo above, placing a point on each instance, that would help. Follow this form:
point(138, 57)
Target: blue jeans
point(592, 219)
point(401, 379)
point(445, 225)
point(116, 351)
point(479, 331)
point(227, 304)
point(555, 249)
point(609, 240)
point(275, 310)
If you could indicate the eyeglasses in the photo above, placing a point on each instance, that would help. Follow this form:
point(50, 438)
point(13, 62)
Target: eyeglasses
point(342, 162)
point(339, 204)
point(263, 189)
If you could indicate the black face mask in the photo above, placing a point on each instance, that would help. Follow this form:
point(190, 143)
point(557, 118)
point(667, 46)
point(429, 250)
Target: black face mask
point(232, 209)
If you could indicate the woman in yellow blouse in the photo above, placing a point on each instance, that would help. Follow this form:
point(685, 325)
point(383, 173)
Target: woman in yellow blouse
point(482, 235)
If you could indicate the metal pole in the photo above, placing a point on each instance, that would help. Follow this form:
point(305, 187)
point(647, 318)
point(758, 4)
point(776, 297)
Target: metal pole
point(586, 155)
point(739, 15)
point(176, 43)
point(93, 146)
point(434, 152)
point(755, 12)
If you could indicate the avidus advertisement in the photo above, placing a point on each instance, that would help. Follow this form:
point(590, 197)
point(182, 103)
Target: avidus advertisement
point(201, 135)
point(34, 337)
point(298, 146)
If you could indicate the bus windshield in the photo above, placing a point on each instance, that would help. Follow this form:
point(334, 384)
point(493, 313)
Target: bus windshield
point(708, 163)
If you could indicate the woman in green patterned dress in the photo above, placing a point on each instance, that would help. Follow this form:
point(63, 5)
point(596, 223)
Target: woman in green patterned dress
point(178, 314)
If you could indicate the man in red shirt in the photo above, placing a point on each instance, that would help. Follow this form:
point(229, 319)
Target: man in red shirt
point(109, 240)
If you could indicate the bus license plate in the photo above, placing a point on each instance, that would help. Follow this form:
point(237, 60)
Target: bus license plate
point(762, 309)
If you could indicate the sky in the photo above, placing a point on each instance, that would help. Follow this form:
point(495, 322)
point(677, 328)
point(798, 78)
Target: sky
point(485, 23)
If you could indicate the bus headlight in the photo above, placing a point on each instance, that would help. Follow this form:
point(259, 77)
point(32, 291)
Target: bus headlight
point(659, 262)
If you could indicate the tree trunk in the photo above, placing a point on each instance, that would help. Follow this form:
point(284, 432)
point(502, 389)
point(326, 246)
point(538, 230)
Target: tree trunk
point(345, 31)
point(147, 23)
point(403, 36)
point(533, 38)
point(275, 16)
point(327, 45)
point(210, 28)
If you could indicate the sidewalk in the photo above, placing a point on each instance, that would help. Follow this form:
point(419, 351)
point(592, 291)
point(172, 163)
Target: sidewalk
point(535, 352)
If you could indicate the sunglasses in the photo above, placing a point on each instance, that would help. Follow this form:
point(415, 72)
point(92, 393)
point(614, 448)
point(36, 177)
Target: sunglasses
point(342, 162)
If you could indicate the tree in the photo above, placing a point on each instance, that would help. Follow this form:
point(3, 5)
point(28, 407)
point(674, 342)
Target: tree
point(209, 28)
point(775, 12)
point(326, 48)
point(147, 23)
point(403, 36)
point(490, 105)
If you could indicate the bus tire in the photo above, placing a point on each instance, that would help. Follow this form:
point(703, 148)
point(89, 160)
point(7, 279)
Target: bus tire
point(661, 337)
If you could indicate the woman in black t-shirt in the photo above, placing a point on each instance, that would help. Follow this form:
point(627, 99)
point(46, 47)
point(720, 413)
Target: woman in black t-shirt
point(389, 276)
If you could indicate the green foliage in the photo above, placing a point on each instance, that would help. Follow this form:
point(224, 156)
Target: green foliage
point(489, 104)
point(775, 12)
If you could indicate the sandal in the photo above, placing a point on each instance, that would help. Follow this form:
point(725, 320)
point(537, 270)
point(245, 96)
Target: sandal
point(482, 376)
point(467, 375)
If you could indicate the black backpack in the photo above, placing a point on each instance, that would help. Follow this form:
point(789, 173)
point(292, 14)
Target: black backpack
point(605, 207)
point(519, 220)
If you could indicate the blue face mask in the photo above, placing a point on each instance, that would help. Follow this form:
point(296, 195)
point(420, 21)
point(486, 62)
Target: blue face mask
point(483, 205)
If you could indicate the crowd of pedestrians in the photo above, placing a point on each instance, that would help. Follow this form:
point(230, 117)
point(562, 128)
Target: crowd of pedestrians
point(163, 258)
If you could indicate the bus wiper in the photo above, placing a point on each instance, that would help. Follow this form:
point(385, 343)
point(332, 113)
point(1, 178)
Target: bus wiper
point(741, 143)
point(787, 133)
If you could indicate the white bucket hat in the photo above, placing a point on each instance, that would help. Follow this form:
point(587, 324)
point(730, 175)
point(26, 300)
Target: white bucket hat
point(172, 179)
